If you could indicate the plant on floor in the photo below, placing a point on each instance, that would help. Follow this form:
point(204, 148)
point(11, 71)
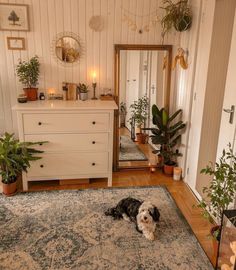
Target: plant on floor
point(28, 73)
point(177, 15)
point(15, 157)
point(139, 114)
point(222, 189)
point(167, 135)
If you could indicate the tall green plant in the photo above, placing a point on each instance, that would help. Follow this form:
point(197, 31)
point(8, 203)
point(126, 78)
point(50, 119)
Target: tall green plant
point(222, 190)
point(28, 72)
point(139, 111)
point(15, 157)
point(166, 133)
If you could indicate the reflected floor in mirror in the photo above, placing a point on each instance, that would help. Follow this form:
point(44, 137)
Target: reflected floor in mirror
point(141, 157)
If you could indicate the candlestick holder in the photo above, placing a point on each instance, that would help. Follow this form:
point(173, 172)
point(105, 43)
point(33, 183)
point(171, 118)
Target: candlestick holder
point(94, 91)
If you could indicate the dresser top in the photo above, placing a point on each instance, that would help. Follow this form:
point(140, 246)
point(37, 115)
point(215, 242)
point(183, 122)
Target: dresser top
point(66, 105)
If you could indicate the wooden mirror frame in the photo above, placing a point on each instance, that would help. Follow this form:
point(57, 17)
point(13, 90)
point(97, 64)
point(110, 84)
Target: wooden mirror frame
point(118, 48)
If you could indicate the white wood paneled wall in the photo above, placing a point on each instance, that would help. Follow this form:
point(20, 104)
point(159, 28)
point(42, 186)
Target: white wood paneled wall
point(50, 17)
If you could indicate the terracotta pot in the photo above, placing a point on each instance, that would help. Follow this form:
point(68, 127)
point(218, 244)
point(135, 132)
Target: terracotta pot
point(141, 138)
point(9, 189)
point(169, 168)
point(31, 93)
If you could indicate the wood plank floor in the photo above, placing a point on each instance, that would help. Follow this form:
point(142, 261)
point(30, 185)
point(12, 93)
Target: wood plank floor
point(178, 189)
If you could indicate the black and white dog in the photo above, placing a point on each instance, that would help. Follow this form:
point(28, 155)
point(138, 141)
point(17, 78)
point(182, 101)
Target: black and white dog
point(143, 213)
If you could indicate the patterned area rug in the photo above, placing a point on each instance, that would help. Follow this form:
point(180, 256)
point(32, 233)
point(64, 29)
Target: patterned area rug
point(129, 151)
point(68, 230)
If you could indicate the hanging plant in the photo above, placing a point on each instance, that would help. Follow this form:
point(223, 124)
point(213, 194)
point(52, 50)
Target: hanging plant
point(178, 16)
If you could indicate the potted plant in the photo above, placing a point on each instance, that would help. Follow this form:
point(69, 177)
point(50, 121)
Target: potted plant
point(83, 91)
point(139, 113)
point(15, 157)
point(167, 135)
point(220, 193)
point(177, 15)
point(28, 73)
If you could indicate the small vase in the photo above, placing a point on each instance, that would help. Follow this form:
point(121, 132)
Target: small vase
point(83, 96)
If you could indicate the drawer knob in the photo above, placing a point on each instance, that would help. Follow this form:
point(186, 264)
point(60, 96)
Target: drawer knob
point(93, 142)
point(41, 166)
point(93, 164)
point(39, 123)
point(40, 143)
point(93, 122)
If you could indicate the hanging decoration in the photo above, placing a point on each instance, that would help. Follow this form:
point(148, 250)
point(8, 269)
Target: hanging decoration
point(140, 23)
point(96, 23)
point(179, 58)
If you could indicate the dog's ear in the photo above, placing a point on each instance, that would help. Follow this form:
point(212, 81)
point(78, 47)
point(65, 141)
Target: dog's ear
point(155, 214)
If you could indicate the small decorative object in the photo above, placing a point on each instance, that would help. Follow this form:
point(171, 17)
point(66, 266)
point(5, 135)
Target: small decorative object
point(15, 43)
point(22, 98)
point(227, 249)
point(106, 97)
point(96, 23)
point(65, 91)
point(223, 184)
point(152, 169)
point(161, 136)
point(28, 73)
point(51, 93)
point(15, 158)
point(66, 47)
point(72, 91)
point(41, 96)
point(83, 91)
point(139, 112)
point(140, 23)
point(179, 58)
point(177, 15)
point(177, 173)
point(14, 17)
point(94, 84)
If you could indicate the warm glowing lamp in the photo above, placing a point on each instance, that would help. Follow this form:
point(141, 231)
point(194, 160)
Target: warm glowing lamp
point(51, 91)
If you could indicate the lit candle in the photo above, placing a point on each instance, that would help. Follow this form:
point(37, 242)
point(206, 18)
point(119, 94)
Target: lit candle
point(177, 173)
point(94, 77)
point(51, 91)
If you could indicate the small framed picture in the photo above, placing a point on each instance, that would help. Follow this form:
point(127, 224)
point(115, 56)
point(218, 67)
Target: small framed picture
point(14, 17)
point(15, 43)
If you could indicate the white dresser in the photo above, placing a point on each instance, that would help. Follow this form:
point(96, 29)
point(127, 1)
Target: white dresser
point(79, 135)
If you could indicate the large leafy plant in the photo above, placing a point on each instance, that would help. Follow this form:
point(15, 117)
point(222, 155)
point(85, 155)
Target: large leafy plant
point(177, 15)
point(139, 111)
point(166, 133)
point(28, 72)
point(15, 157)
point(222, 189)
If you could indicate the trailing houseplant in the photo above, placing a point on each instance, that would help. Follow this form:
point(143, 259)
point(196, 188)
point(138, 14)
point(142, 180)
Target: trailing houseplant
point(167, 135)
point(177, 15)
point(139, 113)
point(83, 91)
point(15, 158)
point(28, 73)
point(221, 192)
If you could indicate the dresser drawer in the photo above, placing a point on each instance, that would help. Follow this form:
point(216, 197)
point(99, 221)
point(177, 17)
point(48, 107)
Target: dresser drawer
point(71, 142)
point(62, 122)
point(56, 165)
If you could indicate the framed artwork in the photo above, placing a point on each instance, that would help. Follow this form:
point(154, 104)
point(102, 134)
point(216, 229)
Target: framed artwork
point(14, 17)
point(15, 43)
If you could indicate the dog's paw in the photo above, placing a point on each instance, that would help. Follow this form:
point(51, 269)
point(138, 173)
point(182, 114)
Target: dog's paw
point(150, 236)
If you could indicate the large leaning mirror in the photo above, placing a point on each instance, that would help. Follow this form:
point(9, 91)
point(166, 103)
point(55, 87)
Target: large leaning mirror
point(142, 78)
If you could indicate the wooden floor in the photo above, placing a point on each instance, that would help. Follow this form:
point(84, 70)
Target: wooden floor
point(145, 148)
point(178, 189)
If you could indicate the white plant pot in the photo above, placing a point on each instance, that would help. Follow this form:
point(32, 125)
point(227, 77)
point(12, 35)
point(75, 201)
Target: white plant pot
point(83, 96)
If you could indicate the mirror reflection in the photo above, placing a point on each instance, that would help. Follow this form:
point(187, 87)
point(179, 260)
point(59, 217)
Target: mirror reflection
point(67, 49)
point(143, 81)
